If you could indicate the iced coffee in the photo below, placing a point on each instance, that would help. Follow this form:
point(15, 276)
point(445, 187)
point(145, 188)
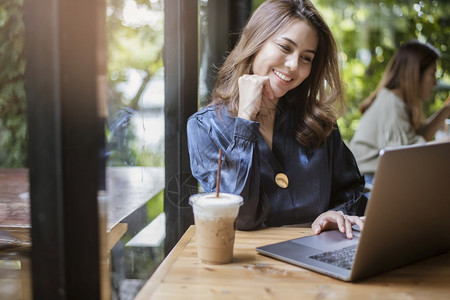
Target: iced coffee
point(215, 225)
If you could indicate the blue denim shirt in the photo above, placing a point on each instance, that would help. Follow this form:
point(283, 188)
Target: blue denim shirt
point(319, 180)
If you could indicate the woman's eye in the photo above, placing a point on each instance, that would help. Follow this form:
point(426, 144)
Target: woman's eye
point(307, 59)
point(284, 47)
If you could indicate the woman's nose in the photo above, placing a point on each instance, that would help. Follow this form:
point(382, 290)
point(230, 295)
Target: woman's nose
point(292, 62)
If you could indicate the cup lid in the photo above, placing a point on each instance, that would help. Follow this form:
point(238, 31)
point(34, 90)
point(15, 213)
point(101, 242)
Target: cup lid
point(210, 199)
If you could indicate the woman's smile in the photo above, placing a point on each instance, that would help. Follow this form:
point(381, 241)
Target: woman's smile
point(283, 77)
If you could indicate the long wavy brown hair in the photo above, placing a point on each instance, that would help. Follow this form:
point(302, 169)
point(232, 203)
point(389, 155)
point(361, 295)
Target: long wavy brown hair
point(319, 100)
point(404, 73)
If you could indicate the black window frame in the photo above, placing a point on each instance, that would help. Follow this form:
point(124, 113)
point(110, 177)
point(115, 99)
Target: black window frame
point(65, 65)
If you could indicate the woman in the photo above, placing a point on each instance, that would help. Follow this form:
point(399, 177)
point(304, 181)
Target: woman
point(272, 115)
point(393, 114)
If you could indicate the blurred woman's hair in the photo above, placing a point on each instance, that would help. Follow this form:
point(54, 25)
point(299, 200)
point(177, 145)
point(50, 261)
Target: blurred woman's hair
point(404, 73)
point(319, 100)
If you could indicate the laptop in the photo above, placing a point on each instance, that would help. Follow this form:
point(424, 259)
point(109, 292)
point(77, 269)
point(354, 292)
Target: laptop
point(407, 219)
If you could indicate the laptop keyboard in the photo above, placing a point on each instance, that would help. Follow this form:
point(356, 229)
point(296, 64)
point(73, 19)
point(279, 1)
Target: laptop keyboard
point(340, 258)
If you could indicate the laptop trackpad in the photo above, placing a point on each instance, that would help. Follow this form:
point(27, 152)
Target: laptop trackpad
point(328, 240)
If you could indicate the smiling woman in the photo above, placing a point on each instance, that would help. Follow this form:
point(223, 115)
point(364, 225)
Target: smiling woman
point(272, 116)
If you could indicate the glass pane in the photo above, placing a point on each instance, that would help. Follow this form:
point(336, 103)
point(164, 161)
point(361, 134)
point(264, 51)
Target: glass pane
point(15, 277)
point(12, 90)
point(135, 140)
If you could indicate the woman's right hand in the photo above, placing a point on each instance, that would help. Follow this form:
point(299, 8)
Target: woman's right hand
point(252, 88)
point(337, 220)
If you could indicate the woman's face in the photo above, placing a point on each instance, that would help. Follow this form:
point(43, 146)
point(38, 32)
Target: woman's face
point(428, 82)
point(287, 57)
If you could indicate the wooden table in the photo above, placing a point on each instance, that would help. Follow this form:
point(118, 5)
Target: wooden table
point(254, 276)
point(15, 201)
point(131, 188)
point(15, 268)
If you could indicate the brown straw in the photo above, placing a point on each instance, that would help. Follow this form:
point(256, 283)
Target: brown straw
point(219, 163)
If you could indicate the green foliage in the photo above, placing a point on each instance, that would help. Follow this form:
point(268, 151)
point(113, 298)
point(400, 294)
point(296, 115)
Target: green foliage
point(369, 31)
point(155, 205)
point(132, 45)
point(13, 132)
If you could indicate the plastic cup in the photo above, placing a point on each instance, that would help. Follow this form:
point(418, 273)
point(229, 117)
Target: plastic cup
point(215, 225)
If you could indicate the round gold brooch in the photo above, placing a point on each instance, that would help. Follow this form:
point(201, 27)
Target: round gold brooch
point(282, 180)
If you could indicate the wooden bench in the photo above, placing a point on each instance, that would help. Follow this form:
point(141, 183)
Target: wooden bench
point(151, 235)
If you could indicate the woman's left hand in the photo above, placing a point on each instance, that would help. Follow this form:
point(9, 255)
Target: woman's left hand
point(337, 220)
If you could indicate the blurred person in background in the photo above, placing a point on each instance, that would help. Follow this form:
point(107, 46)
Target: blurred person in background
point(393, 114)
